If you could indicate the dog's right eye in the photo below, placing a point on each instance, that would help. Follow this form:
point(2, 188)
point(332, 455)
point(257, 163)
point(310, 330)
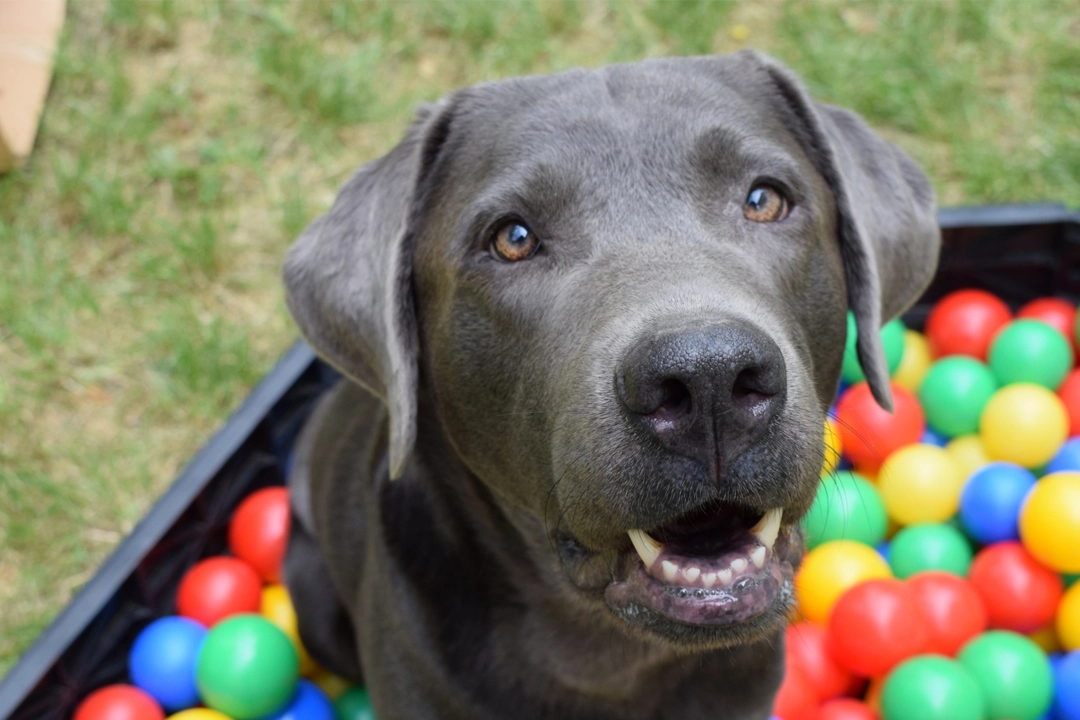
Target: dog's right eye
point(514, 242)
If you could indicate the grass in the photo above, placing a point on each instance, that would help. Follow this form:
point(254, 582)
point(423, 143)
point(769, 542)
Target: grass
point(185, 144)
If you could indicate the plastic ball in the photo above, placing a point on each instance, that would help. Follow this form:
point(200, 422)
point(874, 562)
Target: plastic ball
point(1058, 313)
point(247, 667)
point(259, 531)
point(199, 714)
point(1013, 675)
point(1019, 593)
point(991, 500)
point(1069, 392)
point(1067, 458)
point(277, 607)
point(331, 684)
point(829, 570)
point(308, 703)
point(1068, 619)
point(806, 647)
point(1030, 351)
point(953, 610)
point(929, 437)
point(920, 484)
point(968, 454)
point(216, 588)
point(1050, 521)
point(797, 697)
point(1024, 424)
point(162, 661)
point(892, 342)
point(868, 433)
point(847, 507)
point(965, 322)
point(915, 362)
point(1067, 687)
point(833, 448)
point(929, 546)
point(118, 702)
point(876, 625)
point(354, 704)
point(844, 709)
point(954, 392)
point(931, 687)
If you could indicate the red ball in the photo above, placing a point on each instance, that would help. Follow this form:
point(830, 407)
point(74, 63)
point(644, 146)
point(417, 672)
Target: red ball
point(797, 699)
point(119, 702)
point(1069, 392)
point(954, 610)
point(218, 587)
point(1058, 313)
point(259, 531)
point(965, 323)
point(870, 434)
point(807, 648)
point(1020, 594)
point(876, 625)
point(844, 709)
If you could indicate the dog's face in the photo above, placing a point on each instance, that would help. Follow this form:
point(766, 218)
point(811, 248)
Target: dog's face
point(625, 293)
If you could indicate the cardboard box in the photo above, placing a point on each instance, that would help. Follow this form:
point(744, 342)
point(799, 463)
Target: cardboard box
point(29, 32)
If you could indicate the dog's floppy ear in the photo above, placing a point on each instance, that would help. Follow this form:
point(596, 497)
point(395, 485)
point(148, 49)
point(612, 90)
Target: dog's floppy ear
point(888, 232)
point(348, 276)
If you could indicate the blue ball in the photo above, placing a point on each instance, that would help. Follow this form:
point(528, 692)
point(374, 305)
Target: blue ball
point(1067, 458)
point(929, 437)
point(991, 499)
point(162, 661)
point(1066, 704)
point(883, 550)
point(309, 703)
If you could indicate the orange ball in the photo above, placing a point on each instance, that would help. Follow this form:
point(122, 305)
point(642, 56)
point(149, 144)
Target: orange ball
point(829, 570)
point(965, 322)
point(868, 433)
point(259, 531)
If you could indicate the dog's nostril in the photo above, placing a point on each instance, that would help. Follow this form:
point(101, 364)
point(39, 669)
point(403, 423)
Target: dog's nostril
point(750, 389)
point(675, 400)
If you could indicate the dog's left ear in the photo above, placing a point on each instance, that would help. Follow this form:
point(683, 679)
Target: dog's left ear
point(886, 221)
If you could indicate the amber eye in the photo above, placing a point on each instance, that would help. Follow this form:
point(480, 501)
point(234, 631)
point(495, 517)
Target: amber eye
point(765, 204)
point(515, 242)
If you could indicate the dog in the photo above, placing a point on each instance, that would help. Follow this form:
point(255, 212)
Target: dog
point(590, 325)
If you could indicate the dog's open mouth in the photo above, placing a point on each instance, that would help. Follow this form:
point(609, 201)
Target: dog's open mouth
point(718, 565)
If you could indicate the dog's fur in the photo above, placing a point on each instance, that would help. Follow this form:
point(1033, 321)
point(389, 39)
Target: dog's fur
point(488, 579)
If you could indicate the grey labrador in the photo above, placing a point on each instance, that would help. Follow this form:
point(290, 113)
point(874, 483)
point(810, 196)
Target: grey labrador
point(591, 324)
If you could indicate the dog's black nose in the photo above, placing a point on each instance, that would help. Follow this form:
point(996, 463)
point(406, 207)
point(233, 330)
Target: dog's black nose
point(705, 393)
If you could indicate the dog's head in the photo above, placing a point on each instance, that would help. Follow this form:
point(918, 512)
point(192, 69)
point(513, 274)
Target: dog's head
point(625, 291)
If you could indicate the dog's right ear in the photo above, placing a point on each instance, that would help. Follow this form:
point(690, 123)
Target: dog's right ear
point(348, 276)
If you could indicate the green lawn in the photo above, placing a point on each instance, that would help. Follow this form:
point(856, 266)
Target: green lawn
point(186, 142)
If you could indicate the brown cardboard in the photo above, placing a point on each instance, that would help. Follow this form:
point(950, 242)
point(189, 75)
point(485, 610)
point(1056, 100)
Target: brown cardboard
point(29, 31)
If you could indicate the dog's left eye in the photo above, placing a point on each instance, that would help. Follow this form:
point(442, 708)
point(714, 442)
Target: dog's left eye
point(765, 203)
point(514, 242)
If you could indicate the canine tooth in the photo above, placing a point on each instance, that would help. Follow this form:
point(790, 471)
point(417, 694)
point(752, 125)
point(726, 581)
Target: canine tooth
point(671, 570)
point(758, 556)
point(723, 577)
point(738, 565)
point(691, 573)
point(768, 527)
point(646, 547)
point(708, 579)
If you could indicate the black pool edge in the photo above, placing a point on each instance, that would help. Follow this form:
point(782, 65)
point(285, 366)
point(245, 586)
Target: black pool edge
point(88, 602)
point(52, 643)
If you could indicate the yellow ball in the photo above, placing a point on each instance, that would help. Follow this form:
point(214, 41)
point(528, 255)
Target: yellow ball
point(331, 684)
point(1023, 423)
point(915, 362)
point(968, 454)
point(1046, 638)
point(1068, 619)
point(1050, 521)
point(277, 607)
point(832, 447)
point(829, 570)
point(920, 484)
point(199, 714)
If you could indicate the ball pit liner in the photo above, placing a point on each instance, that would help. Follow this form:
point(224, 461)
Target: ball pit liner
point(1018, 252)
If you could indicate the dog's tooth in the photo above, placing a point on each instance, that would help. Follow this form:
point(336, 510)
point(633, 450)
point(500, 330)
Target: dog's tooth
point(757, 555)
point(768, 527)
point(691, 573)
point(724, 576)
point(738, 564)
point(671, 570)
point(647, 548)
point(708, 579)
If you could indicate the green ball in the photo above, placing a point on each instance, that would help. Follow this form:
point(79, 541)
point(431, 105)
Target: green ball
point(247, 667)
point(1013, 674)
point(892, 339)
point(353, 704)
point(1070, 578)
point(929, 546)
point(846, 507)
point(931, 687)
point(954, 393)
point(1030, 351)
